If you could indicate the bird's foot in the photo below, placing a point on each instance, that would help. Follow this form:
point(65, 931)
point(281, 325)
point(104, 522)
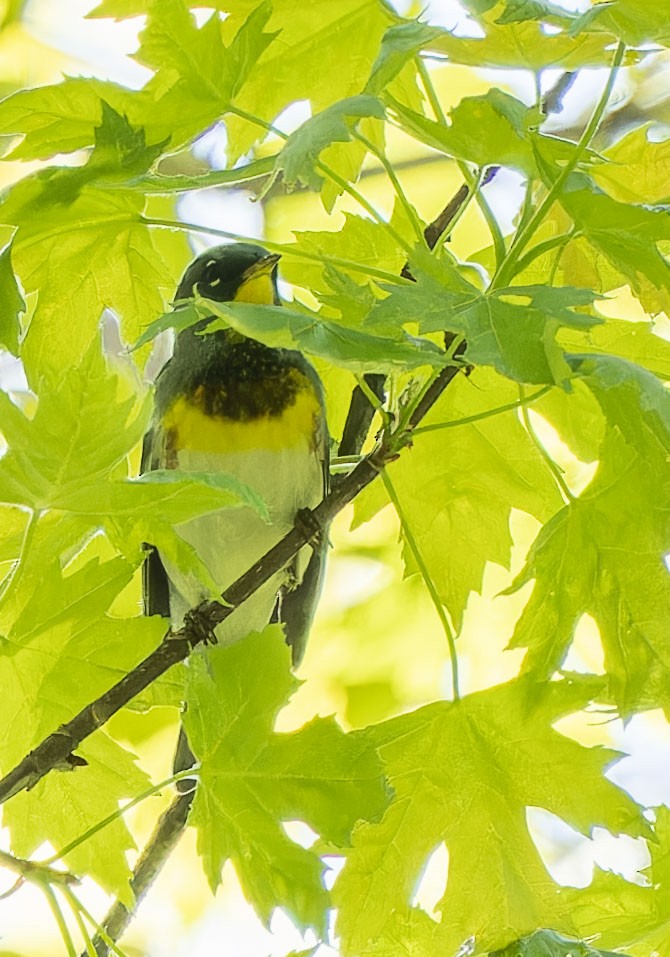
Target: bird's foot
point(199, 626)
point(308, 526)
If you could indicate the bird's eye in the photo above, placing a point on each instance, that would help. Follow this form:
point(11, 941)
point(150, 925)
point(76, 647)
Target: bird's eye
point(210, 278)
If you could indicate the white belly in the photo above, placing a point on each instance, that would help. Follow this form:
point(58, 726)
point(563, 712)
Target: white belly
point(230, 541)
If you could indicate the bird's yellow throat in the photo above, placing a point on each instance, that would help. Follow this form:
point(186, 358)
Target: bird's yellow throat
point(258, 288)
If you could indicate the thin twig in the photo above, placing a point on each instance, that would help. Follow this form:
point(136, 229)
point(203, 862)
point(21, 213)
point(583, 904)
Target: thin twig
point(428, 581)
point(160, 845)
point(552, 101)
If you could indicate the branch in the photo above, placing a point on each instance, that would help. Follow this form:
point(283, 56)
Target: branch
point(199, 623)
point(158, 848)
point(552, 101)
point(360, 414)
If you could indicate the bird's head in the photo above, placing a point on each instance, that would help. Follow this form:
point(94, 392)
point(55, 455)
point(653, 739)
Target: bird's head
point(236, 272)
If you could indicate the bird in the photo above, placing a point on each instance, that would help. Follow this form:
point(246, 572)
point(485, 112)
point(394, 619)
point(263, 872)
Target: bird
point(226, 403)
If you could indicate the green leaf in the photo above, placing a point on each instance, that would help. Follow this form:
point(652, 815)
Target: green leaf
point(161, 183)
point(513, 329)
point(44, 540)
point(364, 244)
point(11, 303)
point(81, 257)
point(314, 39)
point(464, 773)
point(76, 652)
point(400, 43)
point(80, 596)
point(81, 430)
point(524, 45)
point(120, 154)
point(517, 11)
point(252, 780)
point(151, 508)
point(495, 128)
point(628, 915)
point(348, 301)
point(636, 22)
point(638, 170)
point(176, 496)
point(120, 147)
point(457, 487)
point(197, 73)
point(603, 554)
point(547, 943)
point(282, 328)
point(577, 418)
point(636, 341)
point(298, 159)
point(13, 523)
point(483, 130)
point(628, 237)
point(61, 807)
point(196, 77)
point(61, 118)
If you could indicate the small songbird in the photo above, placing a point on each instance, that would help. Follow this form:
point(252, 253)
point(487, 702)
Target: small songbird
point(229, 404)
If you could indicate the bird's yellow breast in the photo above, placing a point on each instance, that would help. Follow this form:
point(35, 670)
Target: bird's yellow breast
point(193, 429)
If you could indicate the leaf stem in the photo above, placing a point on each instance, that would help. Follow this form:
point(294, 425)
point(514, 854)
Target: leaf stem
point(487, 212)
point(99, 929)
point(468, 419)
point(544, 247)
point(430, 91)
point(60, 920)
point(26, 543)
point(410, 409)
point(428, 581)
point(373, 400)
point(283, 248)
point(331, 174)
point(567, 239)
point(164, 184)
point(412, 214)
point(527, 204)
point(553, 467)
point(115, 815)
point(473, 184)
point(489, 217)
point(83, 930)
point(507, 268)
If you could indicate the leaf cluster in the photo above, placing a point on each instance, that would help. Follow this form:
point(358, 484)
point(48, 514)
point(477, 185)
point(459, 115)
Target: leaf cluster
point(524, 326)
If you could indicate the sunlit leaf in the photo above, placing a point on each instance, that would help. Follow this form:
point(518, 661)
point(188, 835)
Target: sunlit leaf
point(463, 773)
point(252, 779)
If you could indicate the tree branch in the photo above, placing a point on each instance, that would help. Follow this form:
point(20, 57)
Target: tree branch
point(199, 624)
point(158, 848)
point(360, 414)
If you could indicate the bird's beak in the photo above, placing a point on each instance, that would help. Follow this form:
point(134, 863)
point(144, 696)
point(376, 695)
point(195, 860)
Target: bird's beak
point(263, 267)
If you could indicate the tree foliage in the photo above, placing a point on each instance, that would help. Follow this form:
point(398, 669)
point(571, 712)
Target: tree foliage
point(524, 328)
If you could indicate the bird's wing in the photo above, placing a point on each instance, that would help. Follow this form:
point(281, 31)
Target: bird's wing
point(298, 606)
point(155, 585)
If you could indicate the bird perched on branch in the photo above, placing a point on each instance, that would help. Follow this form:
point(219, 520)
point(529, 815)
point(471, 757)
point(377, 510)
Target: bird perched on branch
point(226, 403)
